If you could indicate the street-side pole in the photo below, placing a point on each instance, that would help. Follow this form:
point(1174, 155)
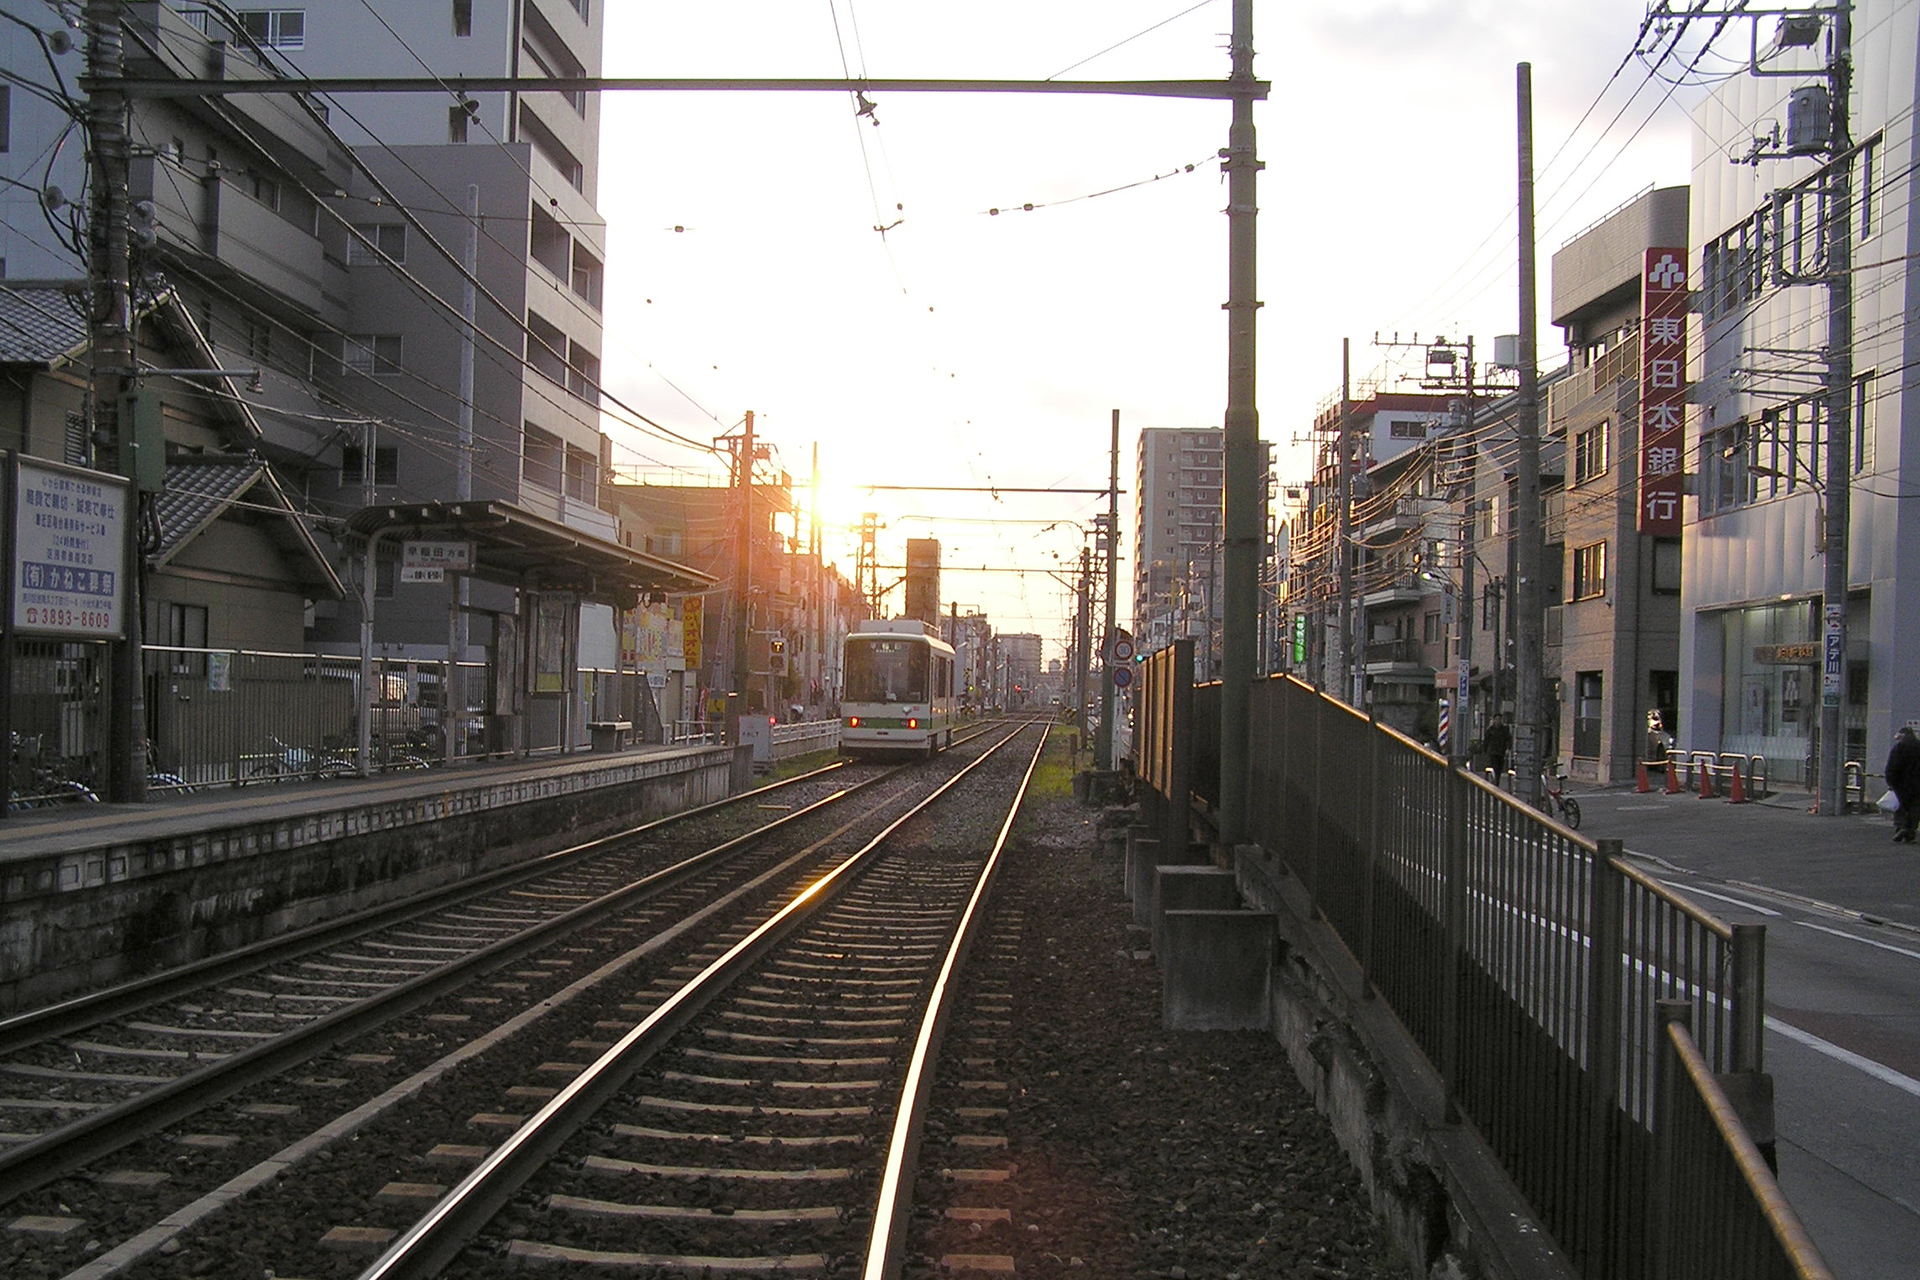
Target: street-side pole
point(1109, 691)
point(112, 335)
point(1839, 397)
point(743, 572)
point(1529, 622)
point(1463, 604)
point(1343, 527)
point(1242, 453)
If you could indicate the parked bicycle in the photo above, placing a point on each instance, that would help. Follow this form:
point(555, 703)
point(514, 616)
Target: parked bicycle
point(36, 780)
point(284, 761)
point(1554, 800)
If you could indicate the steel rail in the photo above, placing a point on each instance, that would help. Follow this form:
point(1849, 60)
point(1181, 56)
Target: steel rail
point(22, 1029)
point(60, 1151)
point(435, 1241)
point(886, 1248)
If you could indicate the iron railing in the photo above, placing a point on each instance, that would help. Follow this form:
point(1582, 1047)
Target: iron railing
point(1529, 964)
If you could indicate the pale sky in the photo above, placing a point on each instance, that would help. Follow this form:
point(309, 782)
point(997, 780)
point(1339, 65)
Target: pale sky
point(963, 348)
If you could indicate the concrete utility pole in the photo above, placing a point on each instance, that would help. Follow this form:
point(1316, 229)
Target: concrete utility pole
point(743, 568)
point(1109, 691)
point(1529, 622)
point(1241, 440)
point(1463, 605)
point(1083, 646)
point(1343, 525)
point(1839, 397)
point(113, 369)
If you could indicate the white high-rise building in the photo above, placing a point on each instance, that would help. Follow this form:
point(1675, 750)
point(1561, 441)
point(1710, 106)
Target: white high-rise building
point(1179, 579)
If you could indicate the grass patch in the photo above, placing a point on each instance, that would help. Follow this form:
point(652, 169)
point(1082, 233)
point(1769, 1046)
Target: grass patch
point(1053, 776)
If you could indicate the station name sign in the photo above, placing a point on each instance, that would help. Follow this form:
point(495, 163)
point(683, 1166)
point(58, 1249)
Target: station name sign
point(1804, 654)
point(69, 551)
point(432, 561)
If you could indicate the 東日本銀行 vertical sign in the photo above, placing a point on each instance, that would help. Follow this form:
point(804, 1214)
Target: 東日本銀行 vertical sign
point(1663, 390)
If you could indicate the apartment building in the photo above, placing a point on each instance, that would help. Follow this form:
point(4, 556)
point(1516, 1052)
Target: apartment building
point(1178, 584)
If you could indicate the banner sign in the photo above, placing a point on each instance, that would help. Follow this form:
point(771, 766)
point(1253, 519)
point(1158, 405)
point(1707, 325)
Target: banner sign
point(69, 551)
point(1663, 390)
point(692, 610)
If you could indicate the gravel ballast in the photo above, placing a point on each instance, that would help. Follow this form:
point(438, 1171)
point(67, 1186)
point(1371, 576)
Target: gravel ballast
point(1138, 1152)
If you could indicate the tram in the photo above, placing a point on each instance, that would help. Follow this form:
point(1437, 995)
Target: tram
point(898, 696)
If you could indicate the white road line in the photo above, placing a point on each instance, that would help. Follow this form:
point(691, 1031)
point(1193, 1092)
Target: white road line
point(1886, 1075)
point(1854, 937)
point(1720, 897)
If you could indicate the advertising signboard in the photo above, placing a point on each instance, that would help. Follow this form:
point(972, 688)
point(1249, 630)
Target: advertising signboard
point(1663, 390)
point(69, 551)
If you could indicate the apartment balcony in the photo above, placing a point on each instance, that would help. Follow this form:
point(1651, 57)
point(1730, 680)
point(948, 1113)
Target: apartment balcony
point(259, 245)
point(1397, 657)
point(1397, 595)
point(575, 513)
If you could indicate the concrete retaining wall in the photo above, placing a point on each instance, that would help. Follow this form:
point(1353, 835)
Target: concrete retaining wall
point(77, 918)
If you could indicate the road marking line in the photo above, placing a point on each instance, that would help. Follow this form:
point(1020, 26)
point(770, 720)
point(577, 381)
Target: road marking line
point(1708, 893)
point(1886, 1075)
point(1854, 937)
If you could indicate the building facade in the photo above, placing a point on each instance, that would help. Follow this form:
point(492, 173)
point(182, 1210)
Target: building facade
point(1754, 553)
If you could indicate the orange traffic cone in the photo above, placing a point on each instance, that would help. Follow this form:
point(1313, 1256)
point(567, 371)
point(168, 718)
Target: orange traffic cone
point(1706, 781)
point(1645, 786)
point(1736, 790)
point(1673, 777)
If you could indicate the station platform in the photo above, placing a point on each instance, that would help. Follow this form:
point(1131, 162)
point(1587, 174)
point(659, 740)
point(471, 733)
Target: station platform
point(97, 892)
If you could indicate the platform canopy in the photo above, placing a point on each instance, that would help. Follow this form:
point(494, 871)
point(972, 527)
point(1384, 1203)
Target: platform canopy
point(517, 548)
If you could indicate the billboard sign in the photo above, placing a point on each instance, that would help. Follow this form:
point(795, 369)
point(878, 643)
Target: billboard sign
point(69, 551)
point(1663, 390)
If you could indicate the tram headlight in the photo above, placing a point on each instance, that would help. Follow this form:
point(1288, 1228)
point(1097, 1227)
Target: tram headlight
point(912, 723)
point(853, 722)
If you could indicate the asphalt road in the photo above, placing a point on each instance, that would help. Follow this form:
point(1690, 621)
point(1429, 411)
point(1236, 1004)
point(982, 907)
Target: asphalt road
point(1841, 904)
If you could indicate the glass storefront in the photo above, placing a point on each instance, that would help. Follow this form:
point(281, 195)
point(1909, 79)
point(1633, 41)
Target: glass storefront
point(1771, 706)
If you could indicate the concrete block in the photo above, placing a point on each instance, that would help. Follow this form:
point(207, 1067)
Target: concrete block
point(1143, 855)
point(1215, 970)
point(1184, 888)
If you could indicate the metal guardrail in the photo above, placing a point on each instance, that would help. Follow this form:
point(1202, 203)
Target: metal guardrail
point(1529, 964)
point(802, 737)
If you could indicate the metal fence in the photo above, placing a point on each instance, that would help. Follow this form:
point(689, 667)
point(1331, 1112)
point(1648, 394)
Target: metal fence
point(1529, 964)
point(58, 750)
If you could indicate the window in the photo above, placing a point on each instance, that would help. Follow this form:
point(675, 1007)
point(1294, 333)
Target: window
point(389, 238)
point(1430, 627)
point(1862, 421)
point(386, 466)
point(550, 148)
point(463, 17)
point(546, 346)
point(1734, 267)
point(580, 7)
point(1590, 453)
point(549, 244)
point(275, 28)
point(583, 470)
point(1666, 566)
point(587, 276)
point(259, 336)
point(375, 354)
point(583, 373)
point(457, 117)
point(1723, 469)
point(542, 457)
point(6, 116)
point(1590, 571)
point(264, 189)
point(1589, 706)
point(1407, 429)
point(386, 575)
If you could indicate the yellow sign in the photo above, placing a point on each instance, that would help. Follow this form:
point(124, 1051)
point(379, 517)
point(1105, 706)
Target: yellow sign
point(691, 615)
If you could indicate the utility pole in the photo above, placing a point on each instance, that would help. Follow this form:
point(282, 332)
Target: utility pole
point(1343, 525)
point(1109, 691)
point(1529, 623)
point(1083, 650)
point(743, 568)
point(1241, 440)
point(1463, 604)
point(112, 380)
point(1839, 397)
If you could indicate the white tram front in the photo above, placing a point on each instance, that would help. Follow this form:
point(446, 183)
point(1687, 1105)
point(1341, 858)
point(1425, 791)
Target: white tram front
point(898, 695)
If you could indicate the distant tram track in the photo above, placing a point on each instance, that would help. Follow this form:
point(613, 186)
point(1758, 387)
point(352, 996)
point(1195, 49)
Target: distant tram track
point(84, 1080)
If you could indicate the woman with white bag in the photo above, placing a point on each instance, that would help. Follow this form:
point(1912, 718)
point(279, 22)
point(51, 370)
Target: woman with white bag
point(1903, 779)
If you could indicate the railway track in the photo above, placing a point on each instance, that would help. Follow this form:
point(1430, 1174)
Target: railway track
point(111, 1087)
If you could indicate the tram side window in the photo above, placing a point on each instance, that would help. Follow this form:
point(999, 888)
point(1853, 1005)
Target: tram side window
point(886, 671)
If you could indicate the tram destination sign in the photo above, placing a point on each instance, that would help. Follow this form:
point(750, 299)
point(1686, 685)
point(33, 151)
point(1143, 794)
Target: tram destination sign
point(69, 551)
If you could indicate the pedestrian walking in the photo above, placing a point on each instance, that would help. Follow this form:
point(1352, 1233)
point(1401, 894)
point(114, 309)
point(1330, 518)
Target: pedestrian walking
point(1496, 742)
point(1903, 779)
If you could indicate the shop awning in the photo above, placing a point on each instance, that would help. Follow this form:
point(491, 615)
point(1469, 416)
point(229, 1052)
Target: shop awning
point(515, 547)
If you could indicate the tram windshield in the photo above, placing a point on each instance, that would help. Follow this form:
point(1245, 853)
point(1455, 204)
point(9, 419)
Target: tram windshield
point(886, 671)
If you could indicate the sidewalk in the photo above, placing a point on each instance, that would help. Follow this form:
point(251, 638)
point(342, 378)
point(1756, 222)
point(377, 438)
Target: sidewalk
point(1849, 862)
